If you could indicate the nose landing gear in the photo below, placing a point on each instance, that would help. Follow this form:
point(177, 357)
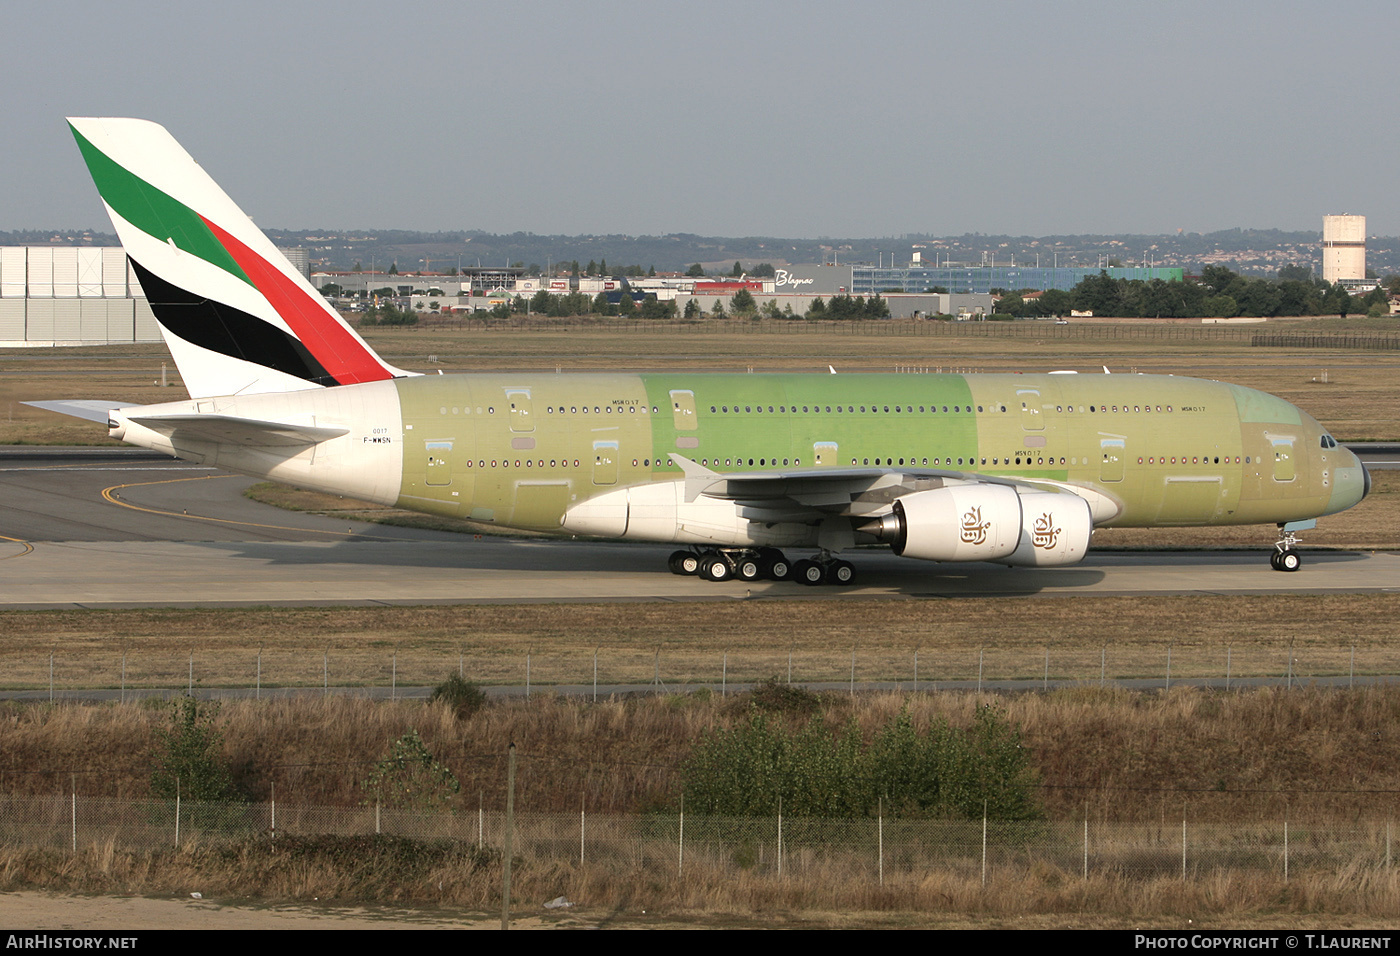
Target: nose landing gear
point(1285, 556)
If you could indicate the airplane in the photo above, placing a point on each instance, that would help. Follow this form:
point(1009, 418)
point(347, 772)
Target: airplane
point(1009, 468)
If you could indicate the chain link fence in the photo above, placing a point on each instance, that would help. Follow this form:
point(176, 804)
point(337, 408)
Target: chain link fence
point(869, 850)
point(224, 671)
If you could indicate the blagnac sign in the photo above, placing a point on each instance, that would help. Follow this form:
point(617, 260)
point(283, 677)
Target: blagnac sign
point(782, 277)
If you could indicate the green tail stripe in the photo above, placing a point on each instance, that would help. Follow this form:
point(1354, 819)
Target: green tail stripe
point(154, 212)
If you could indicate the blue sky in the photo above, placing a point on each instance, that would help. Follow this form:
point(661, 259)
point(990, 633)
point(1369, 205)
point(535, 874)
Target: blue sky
point(719, 118)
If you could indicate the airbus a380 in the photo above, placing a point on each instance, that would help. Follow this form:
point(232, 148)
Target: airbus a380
point(1018, 469)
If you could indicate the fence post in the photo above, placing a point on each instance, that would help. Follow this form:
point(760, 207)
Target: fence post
point(780, 836)
point(581, 824)
point(880, 836)
point(853, 672)
point(1227, 667)
point(1285, 851)
point(595, 675)
point(979, 669)
point(257, 694)
point(1169, 665)
point(1086, 843)
point(724, 676)
point(1183, 848)
point(510, 827)
point(680, 841)
point(74, 812)
point(984, 844)
point(123, 676)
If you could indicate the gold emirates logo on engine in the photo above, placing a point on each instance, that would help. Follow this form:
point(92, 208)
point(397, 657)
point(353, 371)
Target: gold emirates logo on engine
point(974, 529)
point(1045, 534)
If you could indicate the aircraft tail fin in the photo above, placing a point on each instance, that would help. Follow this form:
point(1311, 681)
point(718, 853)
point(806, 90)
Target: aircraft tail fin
point(237, 316)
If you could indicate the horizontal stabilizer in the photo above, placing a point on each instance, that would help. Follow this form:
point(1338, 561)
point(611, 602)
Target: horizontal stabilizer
point(88, 409)
point(233, 430)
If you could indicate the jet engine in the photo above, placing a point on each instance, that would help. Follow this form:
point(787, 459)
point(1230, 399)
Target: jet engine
point(987, 522)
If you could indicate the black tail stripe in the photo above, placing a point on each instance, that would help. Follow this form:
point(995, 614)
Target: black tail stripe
point(221, 328)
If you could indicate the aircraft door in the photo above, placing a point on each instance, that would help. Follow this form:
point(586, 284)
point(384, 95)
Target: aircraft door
point(1032, 415)
point(605, 462)
point(522, 411)
point(1113, 455)
point(824, 453)
point(683, 409)
point(1285, 467)
point(439, 470)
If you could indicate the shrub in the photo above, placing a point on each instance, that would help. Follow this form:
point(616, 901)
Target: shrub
point(463, 697)
point(409, 776)
point(188, 762)
point(941, 772)
point(774, 696)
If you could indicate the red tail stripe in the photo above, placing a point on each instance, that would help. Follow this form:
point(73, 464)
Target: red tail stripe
point(338, 351)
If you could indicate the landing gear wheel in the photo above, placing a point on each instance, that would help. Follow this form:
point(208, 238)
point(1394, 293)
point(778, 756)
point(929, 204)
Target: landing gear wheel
point(1289, 560)
point(808, 572)
point(713, 567)
point(684, 562)
point(749, 569)
point(774, 564)
point(1273, 560)
point(840, 572)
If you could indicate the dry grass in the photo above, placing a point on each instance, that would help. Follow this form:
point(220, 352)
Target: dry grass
point(1234, 765)
point(618, 892)
point(1116, 757)
point(688, 643)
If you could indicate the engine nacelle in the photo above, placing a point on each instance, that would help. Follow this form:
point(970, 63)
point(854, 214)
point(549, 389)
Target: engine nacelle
point(1055, 530)
point(986, 522)
point(957, 523)
point(659, 512)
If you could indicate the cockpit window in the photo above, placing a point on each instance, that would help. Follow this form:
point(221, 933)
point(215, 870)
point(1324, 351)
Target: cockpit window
point(1328, 441)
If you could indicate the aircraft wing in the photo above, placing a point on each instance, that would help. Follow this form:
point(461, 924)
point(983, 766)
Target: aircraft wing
point(860, 492)
point(179, 427)
point(89, 409)
point(236, 431)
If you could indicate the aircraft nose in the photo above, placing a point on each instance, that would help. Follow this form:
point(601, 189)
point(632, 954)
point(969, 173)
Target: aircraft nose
point(1350, 482)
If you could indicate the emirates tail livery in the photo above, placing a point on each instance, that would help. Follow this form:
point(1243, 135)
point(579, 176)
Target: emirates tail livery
point(1017, 469)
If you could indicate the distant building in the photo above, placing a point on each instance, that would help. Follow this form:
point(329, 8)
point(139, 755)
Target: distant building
point(71, 295)
point(1344, 250)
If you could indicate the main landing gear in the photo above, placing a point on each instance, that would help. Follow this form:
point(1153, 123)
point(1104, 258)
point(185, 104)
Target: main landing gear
point(722, 564)
point(1285, 556)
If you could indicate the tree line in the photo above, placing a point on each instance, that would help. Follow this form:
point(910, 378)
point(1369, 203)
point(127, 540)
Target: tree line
point(1217, 293)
